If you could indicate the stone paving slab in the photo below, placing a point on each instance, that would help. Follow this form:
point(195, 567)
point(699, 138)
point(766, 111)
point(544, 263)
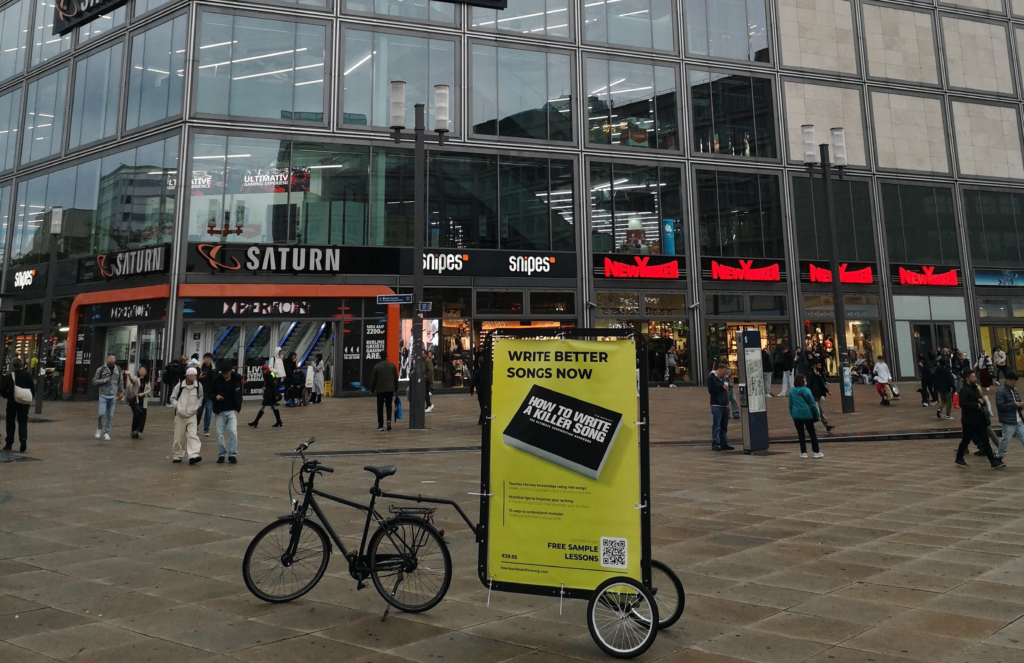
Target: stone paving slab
point(108, 552)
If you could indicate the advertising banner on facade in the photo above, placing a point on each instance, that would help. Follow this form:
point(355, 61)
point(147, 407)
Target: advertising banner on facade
point(566, 479)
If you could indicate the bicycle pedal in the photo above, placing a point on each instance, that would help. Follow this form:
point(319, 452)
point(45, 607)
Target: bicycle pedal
point(361, 585)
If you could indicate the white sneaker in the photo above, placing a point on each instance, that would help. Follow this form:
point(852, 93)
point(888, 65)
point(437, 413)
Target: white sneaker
point(671, 386)
point(98, 433)
point(803, 455)
point(429, 409)
point(106, 436)
point(924, 405)
point(819, 455)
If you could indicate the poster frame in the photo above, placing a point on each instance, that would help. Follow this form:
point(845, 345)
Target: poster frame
point(643, 438)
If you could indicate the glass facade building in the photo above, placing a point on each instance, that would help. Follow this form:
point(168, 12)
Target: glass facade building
point(228, 181)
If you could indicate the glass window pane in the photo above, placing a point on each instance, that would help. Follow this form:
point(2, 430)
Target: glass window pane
point(156, 73)
point(391, 198)
point(535, 18)
point(732, 114)
point(636, 209)
point(643, 24)
point(46, 45)
point(10, 110)
point(462, 201)
point(422, 10)
point(5, 218)
point(146, 6)
point(563, 233)
point(334, 207)
point(561, 303)
point(853, 220)
point(559, 97)
point(524, 204)
point(739, 215)
point(522, 93)
point(696, 27)
point(510, 303)
point(734, 29)
point(632, 104)
point(97, 95)
point(206, 188)
point(44, 116)
point(373, 60)
point(919, 224)
point(995, 222)
point(14, 38)
point(256, 192)
point(101, 25)
point(484, 67)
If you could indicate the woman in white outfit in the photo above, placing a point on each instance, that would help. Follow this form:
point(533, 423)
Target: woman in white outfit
point(318, 379)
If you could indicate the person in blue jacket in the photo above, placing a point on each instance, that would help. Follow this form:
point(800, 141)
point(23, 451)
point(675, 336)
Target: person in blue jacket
point(804, 411)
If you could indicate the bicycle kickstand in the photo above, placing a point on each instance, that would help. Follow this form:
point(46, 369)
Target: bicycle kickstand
point(393, 591)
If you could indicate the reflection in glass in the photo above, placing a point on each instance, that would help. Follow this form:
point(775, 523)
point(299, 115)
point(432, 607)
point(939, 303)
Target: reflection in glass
point(373, 59)
point(44, 116)
point(739, 215)
point(732, 114)
point(155, 73)
point(102, 24)
point(644, 24)
point(536, 18)
point(523, 94)
point(636, 209)
point(734, 29)
point(261, 68)
point(120, 202)
point(146, 6)
point(5, 219)
point(334, 207)
point(853, 220)
point(423, 10)
point(632, 104)
point(46, 45)
point(10, 112)
point(919, 224)
point(97, 96)
point(618, 303)
point(995, 222)
point(13, 38)
point(462, 207)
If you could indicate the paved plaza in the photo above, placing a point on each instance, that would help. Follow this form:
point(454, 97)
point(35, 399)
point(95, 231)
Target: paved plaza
point(883, 552)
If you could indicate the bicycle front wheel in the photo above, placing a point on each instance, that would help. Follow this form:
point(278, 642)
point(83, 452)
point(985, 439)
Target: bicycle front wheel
point(668, 594)
point(410, 564)
point(622, 617)
point(274, 575)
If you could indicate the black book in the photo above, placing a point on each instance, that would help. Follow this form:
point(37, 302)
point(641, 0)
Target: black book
point(566, 431)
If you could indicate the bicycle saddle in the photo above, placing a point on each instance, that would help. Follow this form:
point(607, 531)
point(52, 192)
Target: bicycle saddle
point(381, 472)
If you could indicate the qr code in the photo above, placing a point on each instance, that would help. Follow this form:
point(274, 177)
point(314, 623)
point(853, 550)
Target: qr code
point(614, 553)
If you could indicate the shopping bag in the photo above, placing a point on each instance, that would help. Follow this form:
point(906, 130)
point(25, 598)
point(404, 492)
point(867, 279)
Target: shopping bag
point(398, 408)
point(956, 401)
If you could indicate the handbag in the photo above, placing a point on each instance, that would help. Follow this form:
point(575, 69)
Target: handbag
point(22, 396)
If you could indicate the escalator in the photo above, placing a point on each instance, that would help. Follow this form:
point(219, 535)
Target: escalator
point(225, 346)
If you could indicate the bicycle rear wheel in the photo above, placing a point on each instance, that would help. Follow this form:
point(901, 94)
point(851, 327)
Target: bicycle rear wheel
point(275, 579)
point(668, 594)
point(410, 564)
point(622, 617)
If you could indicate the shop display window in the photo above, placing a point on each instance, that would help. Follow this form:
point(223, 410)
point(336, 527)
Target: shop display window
point(919, 224)
point(502, 303)
point(664, 304)
point(97, 95)
point(661, 335)
point(723, 304)
point(767, 305)
point(732, 114)
point(560, 303)
point(14, 37)
point(863, 328)
point(721, 339)
point(618, 303)
point(853, 219)
point(733, 29)
point(156, 73)
point(530, 18)
point(45, 106)
point(636, 209)
point(993, 308)
point(632, 104)
point(739, 215)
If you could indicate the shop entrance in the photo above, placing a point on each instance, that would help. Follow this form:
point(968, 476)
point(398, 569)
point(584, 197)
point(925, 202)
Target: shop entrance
point(1010, 339)
point(930, 337)
point(135, 346)
point(722, 339)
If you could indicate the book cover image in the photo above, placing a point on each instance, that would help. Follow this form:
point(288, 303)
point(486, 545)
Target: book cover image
point(563, 430)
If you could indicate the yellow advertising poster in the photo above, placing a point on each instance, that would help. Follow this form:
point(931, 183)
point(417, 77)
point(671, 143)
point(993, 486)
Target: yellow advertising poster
point(564, 463)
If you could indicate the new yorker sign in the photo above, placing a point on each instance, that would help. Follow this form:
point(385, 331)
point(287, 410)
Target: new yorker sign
point(69, 14)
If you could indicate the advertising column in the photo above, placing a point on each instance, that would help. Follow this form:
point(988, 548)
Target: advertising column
point(564, 465)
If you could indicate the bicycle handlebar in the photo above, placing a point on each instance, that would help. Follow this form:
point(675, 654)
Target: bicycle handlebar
point(324, 468)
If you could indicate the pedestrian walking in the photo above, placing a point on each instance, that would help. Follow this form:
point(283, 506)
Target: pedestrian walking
point(926, 368)
point(139, 401)
point(959, 365)
point(818, 385)
point(193, 361)
point(766, 370)
point(290, 364)
point(804, 412)
point(271, 396)
point(787, 371)
point(999, 363)
point(882, 379)
point(207, 373)
point(227, 403)
point(277, 367)
point(384, 383)
point(1008, 406)
point(945, 385)
point(108, 379)
point(984, 366)
point(428, 381)
point(318, 368)
point(169, 378)
point(718, 388)
point(19, 390)
point(187, 398)
point(482, 383)
point(670, 366)
point(974, 422)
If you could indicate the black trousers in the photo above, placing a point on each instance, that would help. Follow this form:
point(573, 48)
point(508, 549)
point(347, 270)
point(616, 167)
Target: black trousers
point(426, 394)
point(17, 413)
point(139, 418)
point(808, 425)
point(384, 400)
point(976, 433)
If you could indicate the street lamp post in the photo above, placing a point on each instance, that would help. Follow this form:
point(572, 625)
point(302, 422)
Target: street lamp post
point(839, 144)
point(418, 136)
point(56, 221)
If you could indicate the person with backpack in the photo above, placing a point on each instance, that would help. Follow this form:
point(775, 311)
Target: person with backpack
point(108, 379)
point(226, 395)
point(271, 396)
point(187, 398)
point(945, 385)
point(19, 390)
point(804, 412)
point(207, 373)
point(136, 396)
point(1009, 406)
point(974, 422)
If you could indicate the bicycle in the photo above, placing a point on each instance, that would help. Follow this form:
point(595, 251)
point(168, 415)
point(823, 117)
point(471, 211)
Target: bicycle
point(406, 557)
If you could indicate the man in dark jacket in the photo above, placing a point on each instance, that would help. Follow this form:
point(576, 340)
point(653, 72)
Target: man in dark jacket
point(16, 412)
point(227, 403)
point(787, 372)
point(482, 383)
point(428, 380)
point(974, 422)
point(944, 384)
point(384, 383)
point(1008, 405)
point(169, 379)
point(271, 396)
point(207, 373)
point(818, 385)
point(718, 388)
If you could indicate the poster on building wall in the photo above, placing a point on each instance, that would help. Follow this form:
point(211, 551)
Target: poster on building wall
point(563, 464)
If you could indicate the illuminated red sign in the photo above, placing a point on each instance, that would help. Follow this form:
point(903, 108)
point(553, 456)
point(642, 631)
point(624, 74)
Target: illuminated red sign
point(640, 269)
point(745, 272)
point(927, 276)
point(819, 275)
